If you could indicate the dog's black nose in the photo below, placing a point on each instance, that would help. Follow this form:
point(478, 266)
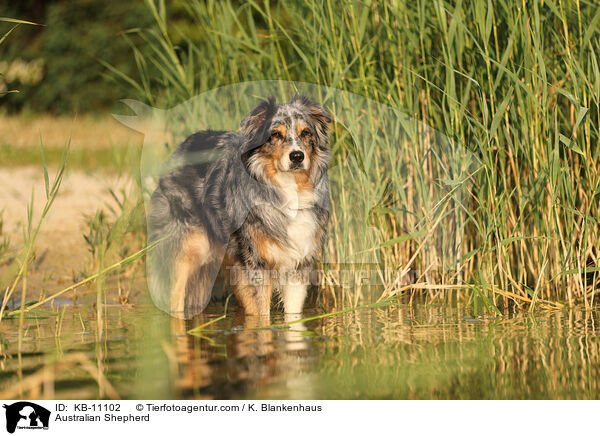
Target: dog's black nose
point(296, 156)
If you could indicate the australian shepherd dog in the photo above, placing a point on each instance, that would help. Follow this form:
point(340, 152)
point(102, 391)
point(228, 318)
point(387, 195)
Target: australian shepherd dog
point(255, 202)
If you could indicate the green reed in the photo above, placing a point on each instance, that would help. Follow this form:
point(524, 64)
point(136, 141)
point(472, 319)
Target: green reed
point(516, 83)
point(16, 272)
point(4, 242)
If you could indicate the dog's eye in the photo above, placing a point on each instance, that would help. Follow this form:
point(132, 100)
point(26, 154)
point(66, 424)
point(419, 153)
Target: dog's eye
point(276, 135)
point(305, 133)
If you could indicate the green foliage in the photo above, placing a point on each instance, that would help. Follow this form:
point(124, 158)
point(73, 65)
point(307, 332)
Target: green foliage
point(518, 86)
point(68, 48)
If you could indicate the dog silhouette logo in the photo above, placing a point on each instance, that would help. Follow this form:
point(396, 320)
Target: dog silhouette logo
point(26, 415)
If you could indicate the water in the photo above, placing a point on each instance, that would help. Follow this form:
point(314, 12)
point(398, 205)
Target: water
point(424, 352)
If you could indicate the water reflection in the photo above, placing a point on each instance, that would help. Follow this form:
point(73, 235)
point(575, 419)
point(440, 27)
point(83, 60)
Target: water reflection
point(394, 352)
point(441, 353)
point(238, 356)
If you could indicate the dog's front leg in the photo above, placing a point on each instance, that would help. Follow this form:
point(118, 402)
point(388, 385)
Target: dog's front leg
point(262, 297)
point(253, 292)
point(293, 291)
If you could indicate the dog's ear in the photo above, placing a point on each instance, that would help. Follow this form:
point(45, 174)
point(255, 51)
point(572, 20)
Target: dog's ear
point(256, 125)
point(321, 117)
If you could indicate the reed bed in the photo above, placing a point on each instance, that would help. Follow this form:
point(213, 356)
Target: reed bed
point(514, 83)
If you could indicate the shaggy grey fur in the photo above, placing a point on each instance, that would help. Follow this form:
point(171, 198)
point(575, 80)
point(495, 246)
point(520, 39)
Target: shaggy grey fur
point(211, 188)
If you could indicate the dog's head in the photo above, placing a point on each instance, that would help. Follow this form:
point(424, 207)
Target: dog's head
point(289, 138)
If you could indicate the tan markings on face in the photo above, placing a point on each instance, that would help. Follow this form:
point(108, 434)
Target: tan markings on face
point(272, 153)
point(301, 127)
point(270, 170)
point(304, 137)
point(271, 156)
point(281, 129)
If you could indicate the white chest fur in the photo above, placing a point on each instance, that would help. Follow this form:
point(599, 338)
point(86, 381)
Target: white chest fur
point(301, 234)
point(301, 223)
